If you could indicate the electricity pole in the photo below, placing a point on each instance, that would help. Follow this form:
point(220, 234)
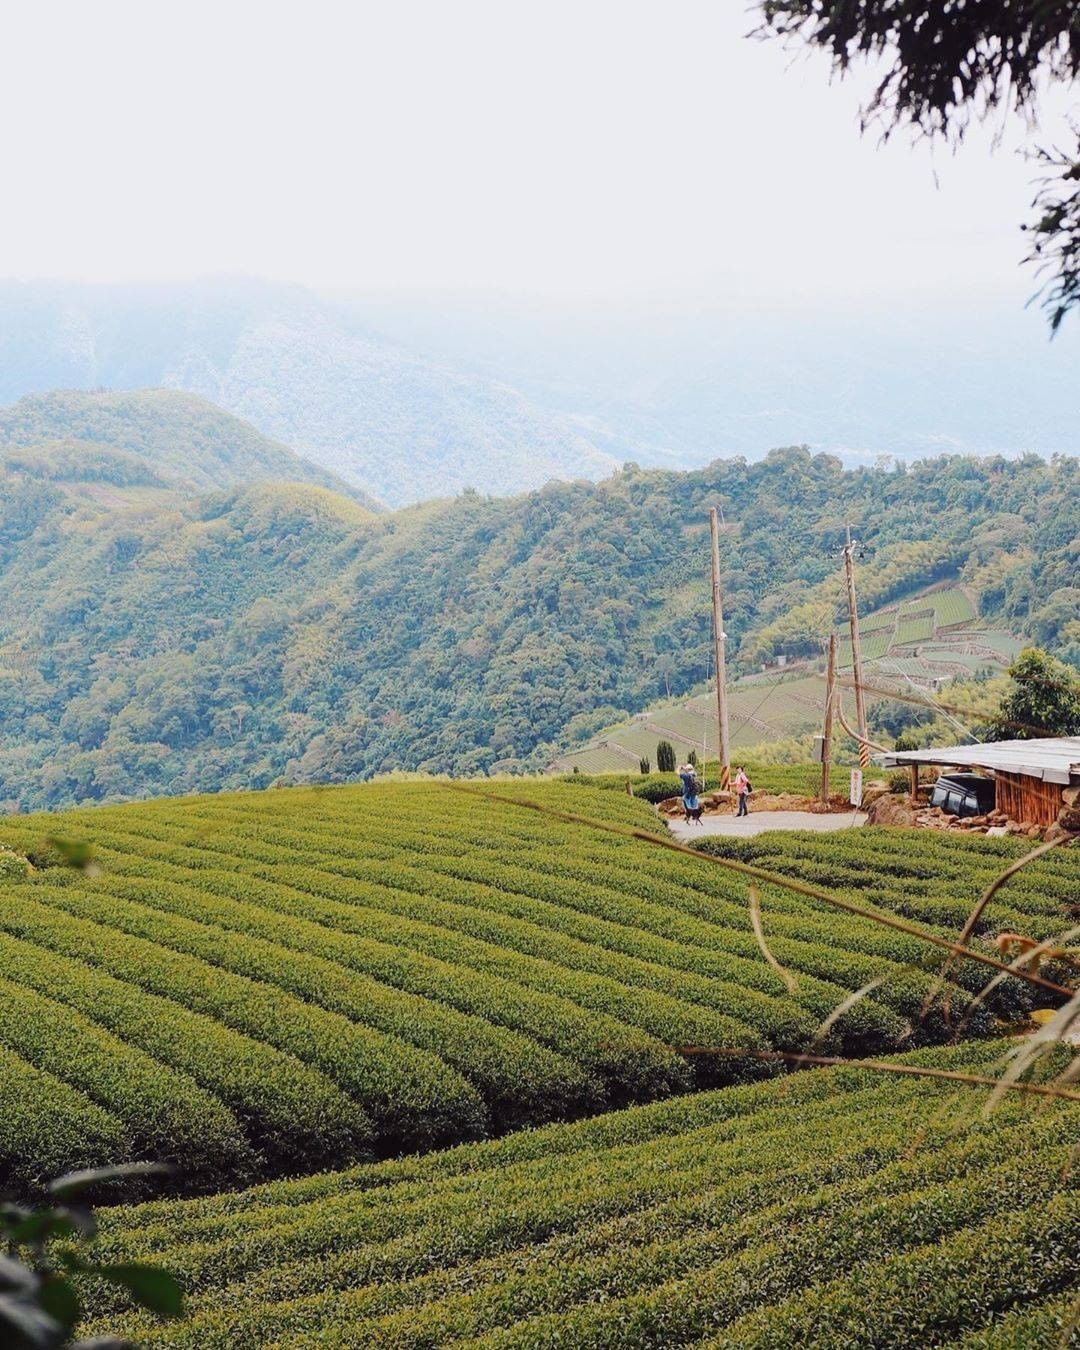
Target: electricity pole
point(826, 738)
point(856, 650)
point(719, 638)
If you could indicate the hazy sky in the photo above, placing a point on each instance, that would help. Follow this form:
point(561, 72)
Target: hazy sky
point(583, 150)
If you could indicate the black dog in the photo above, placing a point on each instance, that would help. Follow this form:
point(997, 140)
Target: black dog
point(692, 813)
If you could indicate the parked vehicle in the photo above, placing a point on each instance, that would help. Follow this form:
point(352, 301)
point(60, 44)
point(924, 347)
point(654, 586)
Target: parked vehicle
point(963, 794)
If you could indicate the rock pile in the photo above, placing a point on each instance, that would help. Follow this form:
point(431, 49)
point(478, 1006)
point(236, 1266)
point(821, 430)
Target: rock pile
point(897, 809)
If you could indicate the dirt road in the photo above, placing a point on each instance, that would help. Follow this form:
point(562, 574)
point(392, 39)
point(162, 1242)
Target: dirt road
point(757, 822)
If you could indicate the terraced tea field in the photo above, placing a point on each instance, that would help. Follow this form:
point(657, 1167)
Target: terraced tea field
point(930, 638)
point(265, 983)
point(928, 876)
point(832, 1209)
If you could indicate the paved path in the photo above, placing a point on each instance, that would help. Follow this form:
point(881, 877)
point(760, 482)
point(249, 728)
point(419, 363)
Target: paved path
point(759, 821)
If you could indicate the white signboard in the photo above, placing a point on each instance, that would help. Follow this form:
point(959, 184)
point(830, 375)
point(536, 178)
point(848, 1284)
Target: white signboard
point(855, 796)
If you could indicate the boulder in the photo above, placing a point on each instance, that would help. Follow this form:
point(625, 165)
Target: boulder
point(1057, 832)
point(1071, 795)
point(890, 810)
point(872, 792)
point(1069, 819)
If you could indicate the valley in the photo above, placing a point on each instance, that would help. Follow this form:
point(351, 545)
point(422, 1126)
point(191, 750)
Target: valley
point(157, 636)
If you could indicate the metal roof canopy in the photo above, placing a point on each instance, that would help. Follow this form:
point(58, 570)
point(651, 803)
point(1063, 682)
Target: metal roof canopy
point(1055, 759)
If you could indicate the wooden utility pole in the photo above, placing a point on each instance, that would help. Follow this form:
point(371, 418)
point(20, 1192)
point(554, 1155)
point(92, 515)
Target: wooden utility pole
point(826, 737)
point(856, 650)
point(719, 638)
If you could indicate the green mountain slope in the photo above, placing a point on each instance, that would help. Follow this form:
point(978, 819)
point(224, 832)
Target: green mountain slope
point(156, 642)
point(277, 982)
point(916, 645)
point(176, 437)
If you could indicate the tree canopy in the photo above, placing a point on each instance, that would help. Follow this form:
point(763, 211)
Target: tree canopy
point(1043, 700)
point(946, 64)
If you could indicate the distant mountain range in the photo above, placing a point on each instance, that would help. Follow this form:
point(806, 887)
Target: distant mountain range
point(680, 389)
point(398, 425)
point(412, 400)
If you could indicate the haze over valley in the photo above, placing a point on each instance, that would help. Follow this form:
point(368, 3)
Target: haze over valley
point(414, 399)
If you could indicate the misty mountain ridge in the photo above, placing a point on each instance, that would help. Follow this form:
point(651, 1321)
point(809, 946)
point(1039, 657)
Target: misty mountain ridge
point(409, 400)
point(399, 425)
point(153, 437)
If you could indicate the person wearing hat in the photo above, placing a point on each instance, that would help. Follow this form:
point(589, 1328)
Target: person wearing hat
point(688, 777)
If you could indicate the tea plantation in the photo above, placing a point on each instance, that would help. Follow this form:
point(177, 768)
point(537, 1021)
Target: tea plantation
point(926, 875)
point(263, 984)
point(830, 1209)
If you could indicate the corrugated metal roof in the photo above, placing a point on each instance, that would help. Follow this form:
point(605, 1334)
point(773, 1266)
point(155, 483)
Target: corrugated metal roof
point(1055, 759)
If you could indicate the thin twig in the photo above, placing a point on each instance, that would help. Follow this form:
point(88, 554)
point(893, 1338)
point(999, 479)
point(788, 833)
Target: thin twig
point(977, 913)
point(790, 981)
point(769, 878)
point(881, 1066)
point(1032, 1048)
point(846, 1004)
point(1014, 968)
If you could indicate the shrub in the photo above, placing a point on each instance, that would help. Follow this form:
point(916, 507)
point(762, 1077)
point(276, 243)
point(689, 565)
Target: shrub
point(665, 757)
point(41, 1305)
point(13, 866)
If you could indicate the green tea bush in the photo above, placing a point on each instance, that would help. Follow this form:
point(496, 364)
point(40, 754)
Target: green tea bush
point(165, 1114)
point(13, 866)
point(798, 779)
point(49, 1127)
point(285, 1107)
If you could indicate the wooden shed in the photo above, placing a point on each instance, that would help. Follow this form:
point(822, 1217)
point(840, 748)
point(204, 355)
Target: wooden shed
point(1032, 777)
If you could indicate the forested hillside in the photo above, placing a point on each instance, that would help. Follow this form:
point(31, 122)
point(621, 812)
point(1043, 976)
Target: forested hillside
point(153, 641)
point(153, 436)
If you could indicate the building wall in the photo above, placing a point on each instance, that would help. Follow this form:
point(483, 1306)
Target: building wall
point(1028, 800)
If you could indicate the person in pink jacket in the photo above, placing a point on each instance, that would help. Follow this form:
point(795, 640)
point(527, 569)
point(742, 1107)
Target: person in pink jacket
point(742, 788)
